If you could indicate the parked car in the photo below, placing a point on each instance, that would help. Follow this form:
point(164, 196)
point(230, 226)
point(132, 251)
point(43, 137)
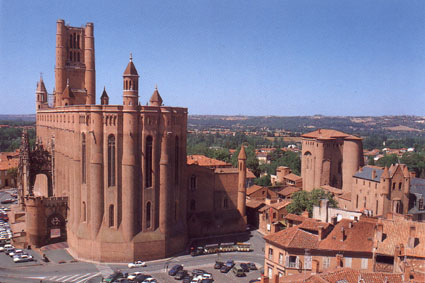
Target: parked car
point(141, 277)
point(150, 280)
point(187, 279)
point(173, 271)
point(245, 267)
point(238, 271)
point(133, 275)
point(138, 263)
point(218, 264)
point(225, 269)
point(195, 251)
point(230, 263)
point(114, 277)
point(180, 274)
point(198, 272)
point(252, 266)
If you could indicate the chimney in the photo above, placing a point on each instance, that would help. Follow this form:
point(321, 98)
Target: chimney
point(350, 224)
point(321, 233)
point(412, 237)
point(379, 230)
point(305, 214)
point(407, 272)
point(356, 219)
point(412, 174)
point(373, 174)
point(334, 220)
point(315, 266)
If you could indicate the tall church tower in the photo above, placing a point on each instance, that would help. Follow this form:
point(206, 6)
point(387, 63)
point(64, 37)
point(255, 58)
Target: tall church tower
point(75, 63)
point(241, 182)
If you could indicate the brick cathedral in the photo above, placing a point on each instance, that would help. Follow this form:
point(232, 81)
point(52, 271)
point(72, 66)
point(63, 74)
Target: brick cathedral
point(112, 180)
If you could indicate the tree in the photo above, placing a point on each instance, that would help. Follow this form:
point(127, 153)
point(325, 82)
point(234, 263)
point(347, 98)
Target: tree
point(415, 162)
point(387, 160)
point(303, 200)
point(263, 181)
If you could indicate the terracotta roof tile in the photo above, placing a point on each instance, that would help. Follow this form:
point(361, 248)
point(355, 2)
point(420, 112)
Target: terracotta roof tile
point(293, 237)
point(313, 224)
point(358, 238)
point(292, 177)
point(253, 189)
point(396, 232)
point(202, 160)
point(327, 134)
point(287, 191)
point(295, 217)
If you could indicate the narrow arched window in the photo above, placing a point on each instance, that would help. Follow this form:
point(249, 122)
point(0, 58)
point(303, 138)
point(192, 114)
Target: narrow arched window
point(111, 160)
point(176, 162)
point(83, 158)
point(111, 215)
point(70, 41)
point(84, 211)
point(148, 214)
point(225, 203)
point(130, 86)
point(193, 183)
point(193, 205)
point(78, 56)
point(78, 41)
point(70, 56)
point(148, 162)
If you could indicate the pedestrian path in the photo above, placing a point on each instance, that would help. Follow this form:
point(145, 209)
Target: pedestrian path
point(73, 278)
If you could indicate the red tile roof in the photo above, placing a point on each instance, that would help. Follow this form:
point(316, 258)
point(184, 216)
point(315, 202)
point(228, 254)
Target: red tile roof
point(293, 237)
point(253, 189)
point(287, 191)
point(325, 134)
point(202, 160)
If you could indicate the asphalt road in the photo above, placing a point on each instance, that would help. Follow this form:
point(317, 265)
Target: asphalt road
point(79, 272)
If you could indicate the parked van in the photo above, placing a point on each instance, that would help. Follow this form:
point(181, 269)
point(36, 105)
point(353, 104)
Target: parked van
point(238, 271)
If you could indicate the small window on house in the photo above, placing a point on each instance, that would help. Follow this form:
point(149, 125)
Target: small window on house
point(274, 215)
point(364, 202)
point(348, 261)
point(393, 186)
point(281, 258)
point(357, 201)
point(225, 203)
point(421, 204)
point(399, 186)
point(364, 263)
point(270, 257)
point(326, 262)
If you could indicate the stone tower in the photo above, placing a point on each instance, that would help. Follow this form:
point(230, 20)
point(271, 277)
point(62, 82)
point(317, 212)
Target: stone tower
point(241, 182)
point(75, 64)
point(41, 95)
point(331, 158)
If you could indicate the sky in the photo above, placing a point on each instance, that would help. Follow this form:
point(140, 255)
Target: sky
point(281, 58)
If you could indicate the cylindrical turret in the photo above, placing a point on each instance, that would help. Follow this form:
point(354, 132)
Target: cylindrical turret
point(241, 182)
point(60, 77)
point(129, 162)
point(130, 86)
point(90, 75)
point(36, 222)
point(351, 163)
point(164, 184)
point(96, 172)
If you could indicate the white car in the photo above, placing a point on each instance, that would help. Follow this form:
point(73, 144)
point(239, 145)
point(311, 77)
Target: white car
point(22, 258)
point(5, 247)
point(150, 280)
point(138, 263)
point(133, 275)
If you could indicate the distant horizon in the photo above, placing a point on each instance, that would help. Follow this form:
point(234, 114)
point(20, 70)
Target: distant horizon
point(269, 58)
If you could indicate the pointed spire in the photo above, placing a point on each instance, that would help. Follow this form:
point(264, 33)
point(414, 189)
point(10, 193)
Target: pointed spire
point(131, 69)
point(242, 154)
point(104, 99)
point(40, 85)
point(67, 93)
point(156, 99)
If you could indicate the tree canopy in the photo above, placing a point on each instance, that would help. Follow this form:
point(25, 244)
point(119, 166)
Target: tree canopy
point(303, 200)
